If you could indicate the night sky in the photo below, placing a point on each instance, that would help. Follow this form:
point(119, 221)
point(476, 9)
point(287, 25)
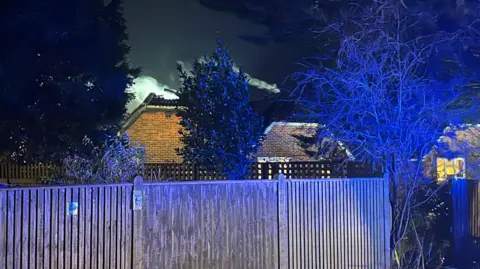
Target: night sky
point(165, 32)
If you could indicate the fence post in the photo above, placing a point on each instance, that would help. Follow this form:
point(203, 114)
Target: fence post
point(282, 223)
point(387, 207)
point(195, 172)
point(461, 219)
point(137, 236)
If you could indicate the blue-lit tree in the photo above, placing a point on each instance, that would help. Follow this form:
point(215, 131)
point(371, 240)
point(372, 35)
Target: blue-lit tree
point(220, 132)
point(117, 160)
point(388, 92)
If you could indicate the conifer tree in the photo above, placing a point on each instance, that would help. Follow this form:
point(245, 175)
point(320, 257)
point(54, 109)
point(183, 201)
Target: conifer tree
point(220, 129)
point(63, 76)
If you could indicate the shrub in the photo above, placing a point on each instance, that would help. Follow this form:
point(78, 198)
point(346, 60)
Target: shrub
point(117, 160)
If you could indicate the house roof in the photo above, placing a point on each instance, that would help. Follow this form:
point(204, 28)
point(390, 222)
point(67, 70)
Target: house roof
point(153, 102)
point(292, 140)
point(459, 139)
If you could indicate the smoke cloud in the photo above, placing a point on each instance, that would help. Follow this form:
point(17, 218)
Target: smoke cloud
point(258, 83)
point(255, 82)
point(143, 86)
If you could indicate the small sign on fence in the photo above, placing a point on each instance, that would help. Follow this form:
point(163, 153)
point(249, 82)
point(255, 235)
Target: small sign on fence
point(137, 193)
point(72, 209)
point(137, 200)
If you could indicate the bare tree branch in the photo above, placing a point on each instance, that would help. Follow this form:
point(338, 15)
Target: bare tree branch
point(386, 99)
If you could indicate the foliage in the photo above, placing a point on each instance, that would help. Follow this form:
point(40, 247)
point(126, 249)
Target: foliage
point(428, 240)
point(387, 92)
point(63, 76)
point(220, 129)
point(118, 160)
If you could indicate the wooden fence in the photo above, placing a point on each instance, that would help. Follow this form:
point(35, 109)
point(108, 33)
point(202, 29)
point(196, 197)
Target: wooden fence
point(284, 224)
point(466, 221)
point(270, 170)
point(25, 175)
point(32, 174)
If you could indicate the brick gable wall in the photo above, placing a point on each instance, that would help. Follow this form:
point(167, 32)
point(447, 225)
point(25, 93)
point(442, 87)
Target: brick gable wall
point(159, 134)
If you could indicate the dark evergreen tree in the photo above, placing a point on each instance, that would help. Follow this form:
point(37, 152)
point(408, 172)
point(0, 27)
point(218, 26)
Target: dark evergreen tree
point(63, 76)
point(221, 131)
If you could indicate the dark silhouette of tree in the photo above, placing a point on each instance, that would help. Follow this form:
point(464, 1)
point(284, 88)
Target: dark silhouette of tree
point(326, 148)
point(63, 76)
point(221, 131)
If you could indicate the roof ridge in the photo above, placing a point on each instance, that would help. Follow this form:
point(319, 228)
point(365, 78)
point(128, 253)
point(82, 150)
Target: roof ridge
point(289, 123)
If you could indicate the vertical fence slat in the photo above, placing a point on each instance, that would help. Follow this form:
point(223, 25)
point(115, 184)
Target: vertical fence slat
point(88, 210)
point(283, 221)
point(81, 228)
point(74, 218)
point(40, 227)
point(387, 219)
point(118, 226)
point(356, 225)
point(94, 230)
point(128, 222)
point(123, 246)
point(47, 244)
point(54, 254)
point(62, 212)
point(306, 226)
point(349, 223)
point(3, 229)
point(316, 208)
point(24, 225)
point(32, 227)
point(264, 235)
point(242, 203)
point(333, 223)
point(101, 226)
point(107, 228)
point(68, 230)
point(10, 228)
point(290, 223)
point(296, 227)
point(118, 236)
point(18, 230)
point(324, 227)
point(113, 228)
point(313, 228)
point(361, 230)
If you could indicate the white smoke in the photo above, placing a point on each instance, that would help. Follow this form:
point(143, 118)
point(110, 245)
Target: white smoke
point(261, 84)
point(143, 86)
point(255, 82)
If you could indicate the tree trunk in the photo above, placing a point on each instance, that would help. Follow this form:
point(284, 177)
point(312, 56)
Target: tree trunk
point(390, 168)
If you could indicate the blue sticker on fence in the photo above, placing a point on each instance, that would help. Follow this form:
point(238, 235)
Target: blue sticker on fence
point(72, 208)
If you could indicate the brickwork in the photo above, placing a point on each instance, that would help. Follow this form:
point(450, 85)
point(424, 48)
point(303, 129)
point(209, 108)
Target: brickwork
point(158, 132)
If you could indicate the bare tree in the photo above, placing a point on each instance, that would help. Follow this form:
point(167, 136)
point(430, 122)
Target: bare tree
point(385, 94)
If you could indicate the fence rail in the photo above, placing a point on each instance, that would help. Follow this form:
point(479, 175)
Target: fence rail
point(31, 175)
point(25, 175)
point(250, 224)
point(270, 170)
